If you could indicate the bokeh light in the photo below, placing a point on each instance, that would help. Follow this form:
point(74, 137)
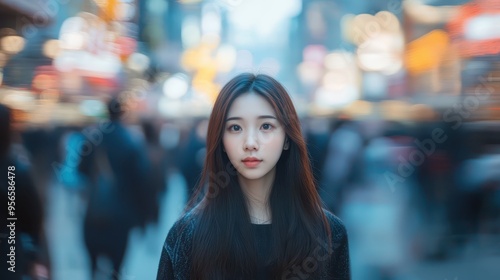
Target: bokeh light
point(12, 44)
point(176, 86)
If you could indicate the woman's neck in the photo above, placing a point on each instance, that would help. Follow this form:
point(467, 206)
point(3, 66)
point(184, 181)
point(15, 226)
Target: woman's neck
point(257, 192)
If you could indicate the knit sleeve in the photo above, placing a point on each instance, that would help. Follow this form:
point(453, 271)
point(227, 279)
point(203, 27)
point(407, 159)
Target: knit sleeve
point(165, 269)
point(175, 256)
point(340, 262)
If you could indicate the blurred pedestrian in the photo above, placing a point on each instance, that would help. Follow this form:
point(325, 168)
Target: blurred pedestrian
point(116, 166)
point(192, 153)
point(342, 156)
point(23, 245)
point(317, 134)
point(260, 216)
point(156, 180)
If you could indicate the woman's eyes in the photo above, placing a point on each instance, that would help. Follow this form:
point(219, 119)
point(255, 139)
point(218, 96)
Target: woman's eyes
point(235, 127)
point(267, 126)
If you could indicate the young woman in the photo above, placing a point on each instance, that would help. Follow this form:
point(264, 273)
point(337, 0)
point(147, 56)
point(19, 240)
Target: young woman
point(259, 216)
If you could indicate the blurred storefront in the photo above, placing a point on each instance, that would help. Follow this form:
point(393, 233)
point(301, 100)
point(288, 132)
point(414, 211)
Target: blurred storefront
point(20, 51)
point(452, 54)
point(351, 56)
point(473, 31)
point(170, 58)
point(61, 60)
point(18, 55)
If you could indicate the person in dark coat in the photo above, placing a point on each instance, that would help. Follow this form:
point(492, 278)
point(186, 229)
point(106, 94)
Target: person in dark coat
point(115, 163)
point(22, 241)
point(191, 154)
point(157, 174)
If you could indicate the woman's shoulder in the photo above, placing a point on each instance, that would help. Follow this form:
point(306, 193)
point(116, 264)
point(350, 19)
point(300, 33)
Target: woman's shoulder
point(182, 231)
point(175, 257)
point(339, 267)
point(337, 227)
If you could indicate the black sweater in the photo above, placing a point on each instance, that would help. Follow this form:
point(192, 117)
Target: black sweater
point(175, 258)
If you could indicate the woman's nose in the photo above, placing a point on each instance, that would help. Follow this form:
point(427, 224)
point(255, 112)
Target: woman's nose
point(251, 142)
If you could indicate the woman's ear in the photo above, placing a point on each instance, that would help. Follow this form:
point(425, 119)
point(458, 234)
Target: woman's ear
point(287, 144)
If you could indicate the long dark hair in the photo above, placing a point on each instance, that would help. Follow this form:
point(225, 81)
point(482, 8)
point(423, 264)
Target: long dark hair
point(223, 244)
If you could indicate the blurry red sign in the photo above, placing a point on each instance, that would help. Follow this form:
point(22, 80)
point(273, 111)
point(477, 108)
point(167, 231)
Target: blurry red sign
point(474, 30)
point(125, 45)
point(45, 77)
point(103, 82)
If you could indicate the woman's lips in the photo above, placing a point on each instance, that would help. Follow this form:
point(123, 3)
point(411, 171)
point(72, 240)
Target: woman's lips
point(251, 162)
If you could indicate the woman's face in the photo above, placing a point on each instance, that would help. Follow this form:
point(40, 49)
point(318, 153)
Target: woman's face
point(253, 137)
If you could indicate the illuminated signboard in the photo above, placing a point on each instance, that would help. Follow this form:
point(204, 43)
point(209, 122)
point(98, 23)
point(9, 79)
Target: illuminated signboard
point(474, 30)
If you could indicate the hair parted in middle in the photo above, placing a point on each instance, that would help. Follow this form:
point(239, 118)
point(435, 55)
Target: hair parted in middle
point(223, 244)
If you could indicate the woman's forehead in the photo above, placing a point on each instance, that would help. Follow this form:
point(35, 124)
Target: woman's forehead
point(250, 105)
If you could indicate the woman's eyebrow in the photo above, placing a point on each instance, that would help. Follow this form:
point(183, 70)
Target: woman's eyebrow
point(259, 117)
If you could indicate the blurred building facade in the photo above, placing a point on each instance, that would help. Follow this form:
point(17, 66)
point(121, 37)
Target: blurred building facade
point(336, 57)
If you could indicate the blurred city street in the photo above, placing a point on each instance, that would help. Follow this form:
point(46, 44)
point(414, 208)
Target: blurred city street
point(70, 259)
point(105, 106)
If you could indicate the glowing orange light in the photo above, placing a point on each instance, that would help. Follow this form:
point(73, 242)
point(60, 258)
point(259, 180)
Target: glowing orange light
point(426, 52)
point(109, 10)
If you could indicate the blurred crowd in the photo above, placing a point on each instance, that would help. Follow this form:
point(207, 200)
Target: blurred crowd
point(408, 192)
point(108, 100)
